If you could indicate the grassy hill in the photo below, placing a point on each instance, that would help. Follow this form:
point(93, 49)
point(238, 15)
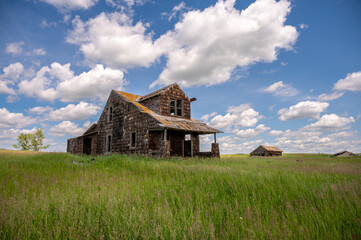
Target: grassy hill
point(59, 196)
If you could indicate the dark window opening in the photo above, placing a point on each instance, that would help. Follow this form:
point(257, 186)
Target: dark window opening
point(132, 140)
point(110, 114)
point(109, 141)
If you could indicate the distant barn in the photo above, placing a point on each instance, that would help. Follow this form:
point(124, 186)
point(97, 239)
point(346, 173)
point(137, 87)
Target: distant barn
point(266, 151)
point(343, 154)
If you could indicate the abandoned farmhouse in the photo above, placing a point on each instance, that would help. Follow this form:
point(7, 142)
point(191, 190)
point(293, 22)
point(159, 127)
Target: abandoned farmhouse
point(159, 123)
point(263, 150)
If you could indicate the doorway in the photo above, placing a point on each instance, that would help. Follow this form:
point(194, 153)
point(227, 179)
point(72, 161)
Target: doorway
point(87, 146)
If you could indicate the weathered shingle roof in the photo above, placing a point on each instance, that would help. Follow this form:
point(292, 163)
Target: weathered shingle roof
point(175, 123)
point(271, 148)
point(344, 154)
point(189, 125)
point(156, 93)
point(92, 129)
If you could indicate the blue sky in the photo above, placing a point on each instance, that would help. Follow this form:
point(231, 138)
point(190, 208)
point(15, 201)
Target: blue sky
point(284, 73)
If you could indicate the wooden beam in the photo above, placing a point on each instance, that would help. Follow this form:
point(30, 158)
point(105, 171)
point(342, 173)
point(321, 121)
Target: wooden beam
point(191, 144)
point(183, 148)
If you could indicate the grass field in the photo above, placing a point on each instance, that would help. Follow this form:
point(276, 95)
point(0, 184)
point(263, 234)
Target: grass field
point(49, 196)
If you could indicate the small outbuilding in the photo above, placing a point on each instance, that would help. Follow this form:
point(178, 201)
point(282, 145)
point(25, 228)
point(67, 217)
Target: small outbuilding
point(343, 154)
point(266, 151)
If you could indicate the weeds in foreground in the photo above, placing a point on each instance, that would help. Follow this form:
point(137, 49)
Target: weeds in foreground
point(63, 196)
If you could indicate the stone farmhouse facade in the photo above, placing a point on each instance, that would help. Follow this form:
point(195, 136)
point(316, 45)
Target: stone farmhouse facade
point(159, 123)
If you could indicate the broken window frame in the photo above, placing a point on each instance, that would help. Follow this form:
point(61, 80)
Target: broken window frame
point(179, 108)
point(176, 107)
point(172, 107)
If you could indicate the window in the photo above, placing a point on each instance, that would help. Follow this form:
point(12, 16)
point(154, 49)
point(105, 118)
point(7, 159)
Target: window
point(176, 107)
point(132, 139)
point(172, 107)
point(110, 114)
point(179, 107)
point(108, 143)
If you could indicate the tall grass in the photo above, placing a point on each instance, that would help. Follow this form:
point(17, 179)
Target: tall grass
point(62, 196)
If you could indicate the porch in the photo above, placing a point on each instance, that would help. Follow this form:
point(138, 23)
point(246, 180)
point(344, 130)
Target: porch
point(170, 143)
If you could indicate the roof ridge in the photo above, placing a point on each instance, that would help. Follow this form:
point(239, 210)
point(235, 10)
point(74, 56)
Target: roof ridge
point(156, 92)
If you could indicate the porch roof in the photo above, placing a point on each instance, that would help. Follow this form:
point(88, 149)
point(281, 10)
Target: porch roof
point(181, 124)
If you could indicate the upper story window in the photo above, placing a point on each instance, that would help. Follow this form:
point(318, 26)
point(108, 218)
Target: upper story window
point(176, 107)
point(110, 114)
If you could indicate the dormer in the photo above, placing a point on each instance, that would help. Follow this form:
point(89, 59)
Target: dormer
point(168, 101)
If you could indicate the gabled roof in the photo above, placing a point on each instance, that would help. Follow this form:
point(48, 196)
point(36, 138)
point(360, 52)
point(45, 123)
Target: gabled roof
point(271, 148)
point(92, 129)
point(157, 92)
point(181, 124)
point(343, 154)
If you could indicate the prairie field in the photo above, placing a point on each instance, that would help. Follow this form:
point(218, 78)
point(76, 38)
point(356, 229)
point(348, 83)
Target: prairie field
point(62, 196)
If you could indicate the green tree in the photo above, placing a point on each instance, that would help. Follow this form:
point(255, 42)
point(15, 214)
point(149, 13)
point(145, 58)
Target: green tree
point(37, 140)
point(31, 141)
point(24, 141)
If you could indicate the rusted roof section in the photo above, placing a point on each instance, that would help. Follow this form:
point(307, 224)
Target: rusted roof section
point(188, 125)
point(133, 99)
point(156, 93)
point(175, 123)
point(271, 148)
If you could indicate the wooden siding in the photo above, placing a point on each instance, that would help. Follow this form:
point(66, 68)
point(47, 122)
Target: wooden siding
point(175, 92)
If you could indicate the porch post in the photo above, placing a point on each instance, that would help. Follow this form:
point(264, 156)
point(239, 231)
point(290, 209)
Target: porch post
point(166, 147)
point(215, 138)
point(191, 144)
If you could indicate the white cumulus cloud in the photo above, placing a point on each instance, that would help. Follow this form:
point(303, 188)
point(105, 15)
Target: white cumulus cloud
point(251, 132)
point(330, 122)
point(242, 115)
point(111, 38)
point(14, 120)
point(68, 5)
point(352, 82)
point(14, 48)
point(281, 89)
point(330, 97)
point(80, 111)
point(97, 83)
point(275, 132)
point(12, 72)
point(42, 85)
point(206, 46)
point(302, 110)
point(68, 128)
point(39, 52)
point(58, 82)
point(40, 110)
